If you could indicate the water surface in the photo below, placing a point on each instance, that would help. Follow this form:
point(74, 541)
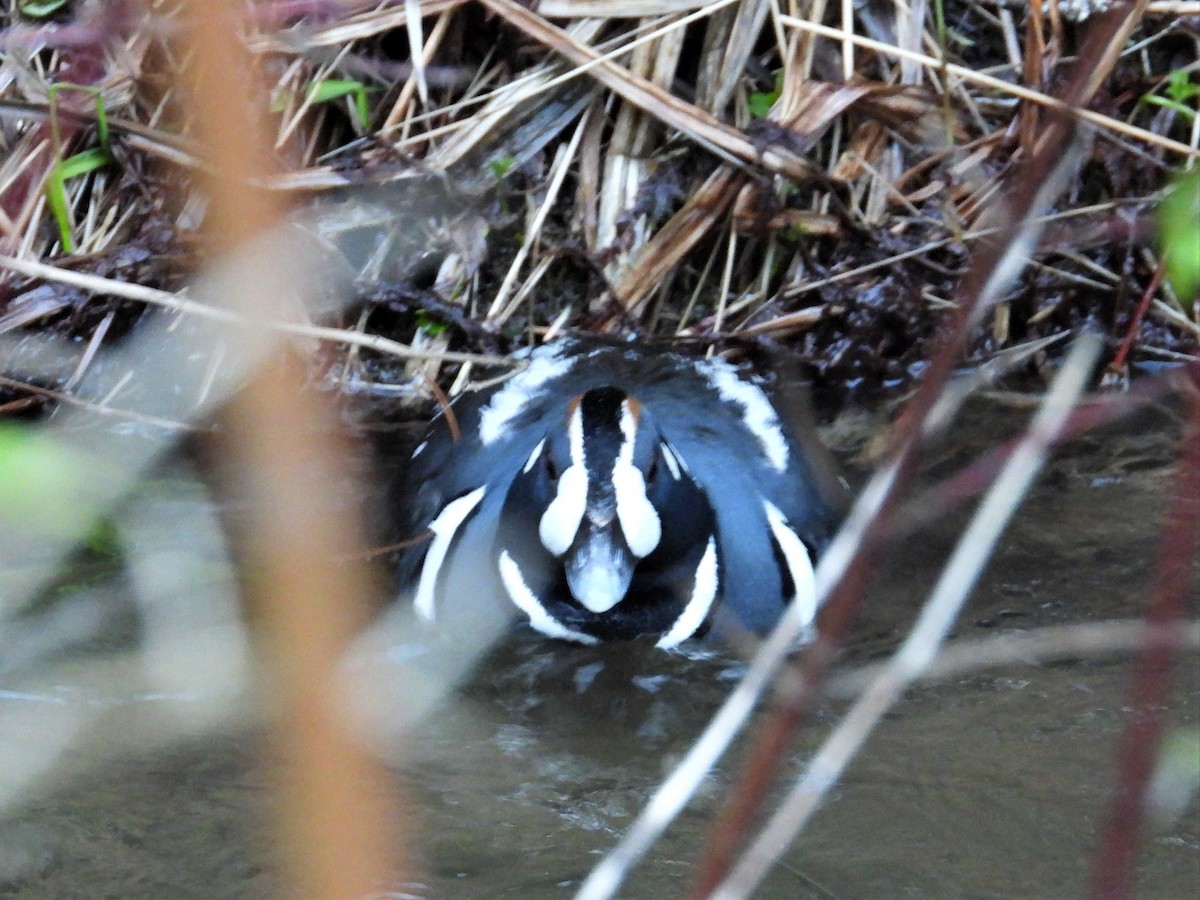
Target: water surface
point(991, 785)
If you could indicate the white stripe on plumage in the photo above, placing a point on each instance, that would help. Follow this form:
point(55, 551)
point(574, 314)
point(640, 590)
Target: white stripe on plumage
point(523, 597)
point(506, 404)
point(758, 415)
point(575, 437)
point(673, 462)
point(560, 522)
point(533, 457)
point(799, 563)
point(704, 591)
point(444, 527)
point(636, 514)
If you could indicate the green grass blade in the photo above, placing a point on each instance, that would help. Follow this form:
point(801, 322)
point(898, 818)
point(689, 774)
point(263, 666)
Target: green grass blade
point(56, 188)
point(1179, 236)
point(333, 88)
point(40, 9)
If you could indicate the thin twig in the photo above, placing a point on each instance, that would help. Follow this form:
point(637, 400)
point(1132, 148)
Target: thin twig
point(1113, 864)
point(933, 624)
point(100, 409)
point(1050, 643)
point(1106, 123)
point(112, 287)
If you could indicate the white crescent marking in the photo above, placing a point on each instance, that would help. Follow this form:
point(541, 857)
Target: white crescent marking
point(704, 592)
point(638, 517)
point(522, 596)
point(444, 527)
point(560, 522)
point(533, 457)
point(799, 563)
point(575, 436)
point(758, 415)
point(671, 460)
point(545, 365)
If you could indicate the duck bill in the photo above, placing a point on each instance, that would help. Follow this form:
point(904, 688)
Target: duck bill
point(599, 568)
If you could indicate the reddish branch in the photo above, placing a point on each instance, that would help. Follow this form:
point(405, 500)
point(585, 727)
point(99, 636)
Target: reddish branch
point(332, 810)
point(1113, 868)
point(769, 746)
point(1122, 354)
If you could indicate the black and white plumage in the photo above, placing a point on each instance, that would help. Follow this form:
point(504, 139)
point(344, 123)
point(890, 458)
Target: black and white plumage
point(610, 491)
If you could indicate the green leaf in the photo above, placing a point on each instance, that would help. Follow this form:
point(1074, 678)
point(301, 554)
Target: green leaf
point(73, 166)
point(39, 9)
point(430, 325)
point(56, 198)
point(101, 114)
point(760, 102)
point(41, 483)
point(1179, 236)
point(333, 88)
point(56, 188)
point(1155, 100)
point(1180, 86)
point(1176, 93)
point(501, 166)
point(84, 162)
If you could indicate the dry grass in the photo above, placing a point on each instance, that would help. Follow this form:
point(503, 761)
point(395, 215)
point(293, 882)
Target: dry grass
point(764, 171)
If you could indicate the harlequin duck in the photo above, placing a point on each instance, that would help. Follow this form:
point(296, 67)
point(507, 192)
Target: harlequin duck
point(610, 491)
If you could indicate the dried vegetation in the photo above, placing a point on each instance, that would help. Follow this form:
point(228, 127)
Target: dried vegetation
point(808, 175)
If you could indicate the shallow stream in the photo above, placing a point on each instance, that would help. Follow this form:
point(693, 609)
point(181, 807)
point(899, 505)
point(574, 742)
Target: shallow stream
point(986, 786)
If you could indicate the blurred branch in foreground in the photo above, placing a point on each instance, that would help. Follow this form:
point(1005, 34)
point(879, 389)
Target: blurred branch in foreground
point(334, 838)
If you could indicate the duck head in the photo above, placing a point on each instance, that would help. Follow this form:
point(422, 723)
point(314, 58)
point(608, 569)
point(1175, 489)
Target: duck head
point(599, 520)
